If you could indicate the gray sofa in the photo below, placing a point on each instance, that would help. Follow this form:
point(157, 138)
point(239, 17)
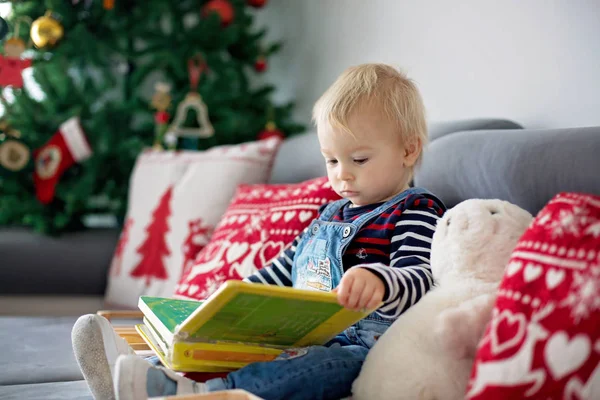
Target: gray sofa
point(466, 159)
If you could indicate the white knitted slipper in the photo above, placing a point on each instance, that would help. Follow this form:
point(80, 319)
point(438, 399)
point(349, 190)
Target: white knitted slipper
point(97, 346)
point(137, 379)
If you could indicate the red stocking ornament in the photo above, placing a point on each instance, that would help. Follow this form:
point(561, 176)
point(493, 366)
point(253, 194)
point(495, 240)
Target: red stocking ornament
point(66, 147)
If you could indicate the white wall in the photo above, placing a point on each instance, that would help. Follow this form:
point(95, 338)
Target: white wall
point(535, 61)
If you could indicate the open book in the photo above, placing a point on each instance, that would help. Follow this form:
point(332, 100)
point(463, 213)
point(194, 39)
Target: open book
point(239, 324)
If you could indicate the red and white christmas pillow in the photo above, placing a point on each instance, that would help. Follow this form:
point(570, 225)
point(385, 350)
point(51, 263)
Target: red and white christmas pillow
point(543, 341)
point(175, 201)
point(260, 222)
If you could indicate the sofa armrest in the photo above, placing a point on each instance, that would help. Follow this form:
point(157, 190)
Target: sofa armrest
point(73, 264)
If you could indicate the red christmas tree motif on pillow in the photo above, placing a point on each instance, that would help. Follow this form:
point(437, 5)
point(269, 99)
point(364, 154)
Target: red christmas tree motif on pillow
point(155, 248)
point(115, 268)
point(543, 341)
point(198, 237)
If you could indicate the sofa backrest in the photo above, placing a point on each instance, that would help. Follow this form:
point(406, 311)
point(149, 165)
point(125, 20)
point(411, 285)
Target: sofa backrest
point(299, 157)
point(525, 167)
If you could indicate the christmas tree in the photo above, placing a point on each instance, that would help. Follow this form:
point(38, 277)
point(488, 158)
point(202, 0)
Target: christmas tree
point(122, 67)
point(155, 248)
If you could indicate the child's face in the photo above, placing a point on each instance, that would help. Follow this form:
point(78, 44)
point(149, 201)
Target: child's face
point(371, 167)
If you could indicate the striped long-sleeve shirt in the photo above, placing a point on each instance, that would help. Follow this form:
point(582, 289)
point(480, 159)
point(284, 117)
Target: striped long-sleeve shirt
point(395, 246)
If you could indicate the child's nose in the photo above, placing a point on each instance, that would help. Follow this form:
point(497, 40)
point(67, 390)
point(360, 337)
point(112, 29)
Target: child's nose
point(344, 174)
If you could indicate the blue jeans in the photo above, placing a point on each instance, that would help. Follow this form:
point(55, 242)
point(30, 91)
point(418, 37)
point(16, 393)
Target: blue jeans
point(323, 372)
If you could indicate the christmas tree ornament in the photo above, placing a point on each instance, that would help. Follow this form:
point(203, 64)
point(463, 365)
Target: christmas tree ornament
point(46, 31)
point(193, 101)
point(3, 28)
point(270, 131)
point(161, 101)
point(66, 147)
point(260, 65)
point(14, 154)
point(223, 8)
point(257, 3)
point(108, 4)
point(11, 64)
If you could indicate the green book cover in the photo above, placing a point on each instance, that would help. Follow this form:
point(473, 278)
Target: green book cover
point(166, 314)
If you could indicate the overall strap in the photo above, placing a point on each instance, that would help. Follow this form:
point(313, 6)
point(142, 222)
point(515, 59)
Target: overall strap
point(332, 209)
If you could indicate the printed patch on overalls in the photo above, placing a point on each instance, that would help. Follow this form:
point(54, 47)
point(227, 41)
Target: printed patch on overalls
point(295, 352)
point(320, 277)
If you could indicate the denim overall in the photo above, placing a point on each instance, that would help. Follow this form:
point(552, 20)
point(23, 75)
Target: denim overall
point(318, 372)
point(318, 260)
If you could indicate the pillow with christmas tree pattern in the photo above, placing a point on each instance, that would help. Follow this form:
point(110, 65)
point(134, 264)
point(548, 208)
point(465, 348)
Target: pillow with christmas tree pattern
point(175, 200)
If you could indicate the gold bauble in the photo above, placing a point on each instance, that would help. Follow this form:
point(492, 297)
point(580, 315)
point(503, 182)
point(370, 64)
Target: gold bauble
point(46, 31)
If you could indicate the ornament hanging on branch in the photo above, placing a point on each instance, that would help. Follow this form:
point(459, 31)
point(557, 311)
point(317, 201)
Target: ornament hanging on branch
point(46, 31)
point(11, 64)
point(192, 101)
point(161, 101)
point(257, 3)
point(14, 154)
point(108, 4)
point(260, 65)
point(270, 131)
point(66, 147)
point(223, 8)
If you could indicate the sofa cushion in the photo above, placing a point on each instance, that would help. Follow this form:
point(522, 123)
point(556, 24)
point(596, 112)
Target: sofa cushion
point(175, 201)
point(260, 222)
point(525, 167)
point(544, 338)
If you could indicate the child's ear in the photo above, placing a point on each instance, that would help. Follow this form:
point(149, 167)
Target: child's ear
point(412, 152)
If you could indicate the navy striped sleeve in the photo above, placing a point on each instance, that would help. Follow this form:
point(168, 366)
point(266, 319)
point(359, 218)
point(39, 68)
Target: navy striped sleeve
point(408, 276)
point(279, 272)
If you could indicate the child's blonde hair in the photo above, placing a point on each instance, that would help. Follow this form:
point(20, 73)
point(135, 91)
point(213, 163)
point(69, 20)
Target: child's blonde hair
point(382, 85)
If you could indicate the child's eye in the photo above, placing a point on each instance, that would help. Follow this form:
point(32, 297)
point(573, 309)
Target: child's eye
point(331, 162)
point(360, 161)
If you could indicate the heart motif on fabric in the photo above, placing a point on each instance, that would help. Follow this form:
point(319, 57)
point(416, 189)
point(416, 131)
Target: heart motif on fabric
point(507, 331)
point(564, 356)
point(269, 251)
point(532, 272)
point(554, 277)
point(305, 216)
point(235, 251)
point(183, 287)
point(275, 217)
point(289, 215)
point(513, 267)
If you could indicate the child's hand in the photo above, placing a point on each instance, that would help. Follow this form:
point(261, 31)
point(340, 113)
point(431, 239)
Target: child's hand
point(360, 289)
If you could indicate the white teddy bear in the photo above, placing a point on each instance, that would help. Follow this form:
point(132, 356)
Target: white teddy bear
point(428, 352)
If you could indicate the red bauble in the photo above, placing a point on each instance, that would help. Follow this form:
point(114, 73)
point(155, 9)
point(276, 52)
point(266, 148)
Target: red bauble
point(260, 65)
point(222, 7)
point(161, 117)
point(270, 131)
point(257, 3)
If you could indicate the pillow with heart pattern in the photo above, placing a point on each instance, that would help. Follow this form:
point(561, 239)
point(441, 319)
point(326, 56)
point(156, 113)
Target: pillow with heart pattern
point(261, 220)
point(543, 341)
